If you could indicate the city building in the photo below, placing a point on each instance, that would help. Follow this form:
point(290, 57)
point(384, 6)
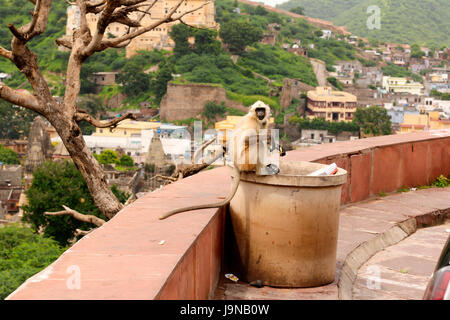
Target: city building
point(134, 138)
point(158, 38)
point(10, 191)
point(18, 146)
point(421, 122)
point(401, 85)
point(127, 128)
point(331, 105)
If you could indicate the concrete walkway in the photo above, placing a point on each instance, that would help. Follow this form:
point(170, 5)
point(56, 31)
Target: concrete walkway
point(402, 271)
point(371, 234)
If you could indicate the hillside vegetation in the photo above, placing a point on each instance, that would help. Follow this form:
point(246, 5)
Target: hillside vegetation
point(426, 22)
point(206, 61)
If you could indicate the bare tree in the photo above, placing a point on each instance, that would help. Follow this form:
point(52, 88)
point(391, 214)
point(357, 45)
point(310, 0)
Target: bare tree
point(65, 116)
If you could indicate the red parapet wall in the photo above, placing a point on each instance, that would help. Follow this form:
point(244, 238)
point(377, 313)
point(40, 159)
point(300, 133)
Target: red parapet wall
point(137, 256)
point(384, 164)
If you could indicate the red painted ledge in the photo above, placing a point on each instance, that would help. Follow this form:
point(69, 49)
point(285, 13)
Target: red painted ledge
point(124, 259)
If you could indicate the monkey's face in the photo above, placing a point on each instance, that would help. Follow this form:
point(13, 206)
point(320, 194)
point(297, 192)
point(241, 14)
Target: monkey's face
point(260, 113)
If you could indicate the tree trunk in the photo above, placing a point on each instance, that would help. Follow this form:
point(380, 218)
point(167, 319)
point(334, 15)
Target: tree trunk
point(92, 172)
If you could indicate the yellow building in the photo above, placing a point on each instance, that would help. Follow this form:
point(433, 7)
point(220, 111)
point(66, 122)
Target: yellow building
point(230, 123)
point(401, 85)
point(127, 128)
point(421, 122)
point(331, 105)
point(158, 37)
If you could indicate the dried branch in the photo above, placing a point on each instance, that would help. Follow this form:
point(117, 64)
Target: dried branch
point(37, 24)
point(82, 115)
point(130, 200)
point(16, 33)
point(20, 97)
point(79, 232)
point(6, 53)
point(130, 2)
point(64, 42)
point(166, 177)
point(93, 4)
point(168, 18)
point(79, 216)
point(35, 16)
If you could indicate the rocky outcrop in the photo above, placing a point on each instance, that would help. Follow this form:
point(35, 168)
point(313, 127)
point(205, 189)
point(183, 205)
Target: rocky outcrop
point(184, 101)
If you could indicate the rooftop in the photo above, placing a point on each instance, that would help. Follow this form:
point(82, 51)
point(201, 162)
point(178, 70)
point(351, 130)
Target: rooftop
point(327, 94)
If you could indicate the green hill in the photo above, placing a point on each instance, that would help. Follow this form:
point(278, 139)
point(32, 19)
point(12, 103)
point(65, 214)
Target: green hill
point(425, 22)
point(206, 62)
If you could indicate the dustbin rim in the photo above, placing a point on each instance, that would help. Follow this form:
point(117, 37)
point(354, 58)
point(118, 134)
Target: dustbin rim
point(286, 178)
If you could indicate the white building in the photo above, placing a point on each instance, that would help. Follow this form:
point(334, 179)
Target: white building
point(401, 85)
point(174, 142)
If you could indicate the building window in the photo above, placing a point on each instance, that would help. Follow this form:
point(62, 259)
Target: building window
point(312, 135)
point(101, 130)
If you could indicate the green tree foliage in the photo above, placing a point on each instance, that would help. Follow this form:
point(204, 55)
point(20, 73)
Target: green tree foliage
point(322, 124)
point(212, 110)
point(261, 11)
point(133, 80)
point(55, 184)
point(425, 22)
point(159, 85)
point(108, 157)
point(23, 254)
point(205, 41)
point(440, 95)
point(126, 161)
point(14, 121)
point(239, 34)
point(318, 33)
point(298, 10)
point(397, 71)
point(275, 63)
point(416, 52)
point(8, 156)
point(373, 121)
point(335, 82)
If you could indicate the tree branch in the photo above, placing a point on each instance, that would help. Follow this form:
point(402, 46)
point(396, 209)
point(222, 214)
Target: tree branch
point(168, 18)
point(79, 232)
point(6, 53)
point(20, 97)
point(35, 16)
point(75, 214)
point(38, 22)
point(16, 33)
point(82, 115)
point(64, 42)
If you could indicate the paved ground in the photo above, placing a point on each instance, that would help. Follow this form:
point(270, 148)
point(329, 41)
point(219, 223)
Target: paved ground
point(402, 271)
point(378, 235)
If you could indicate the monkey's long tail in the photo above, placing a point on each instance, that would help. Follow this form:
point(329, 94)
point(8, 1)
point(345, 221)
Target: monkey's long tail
point(236, 181)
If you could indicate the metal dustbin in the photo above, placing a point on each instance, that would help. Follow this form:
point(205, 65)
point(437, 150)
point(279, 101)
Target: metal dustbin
point(286, 226)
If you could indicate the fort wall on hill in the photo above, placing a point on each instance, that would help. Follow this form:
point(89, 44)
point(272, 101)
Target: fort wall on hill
point(184, 101)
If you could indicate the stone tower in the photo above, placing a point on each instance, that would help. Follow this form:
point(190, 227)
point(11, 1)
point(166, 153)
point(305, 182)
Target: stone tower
point(156, 153)
point(35, 157)
point(39, 145)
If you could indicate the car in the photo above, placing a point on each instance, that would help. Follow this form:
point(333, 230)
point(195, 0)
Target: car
point(439, 285)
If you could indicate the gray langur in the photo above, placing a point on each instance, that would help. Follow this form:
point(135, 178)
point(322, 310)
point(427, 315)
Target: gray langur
point(252, 123)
